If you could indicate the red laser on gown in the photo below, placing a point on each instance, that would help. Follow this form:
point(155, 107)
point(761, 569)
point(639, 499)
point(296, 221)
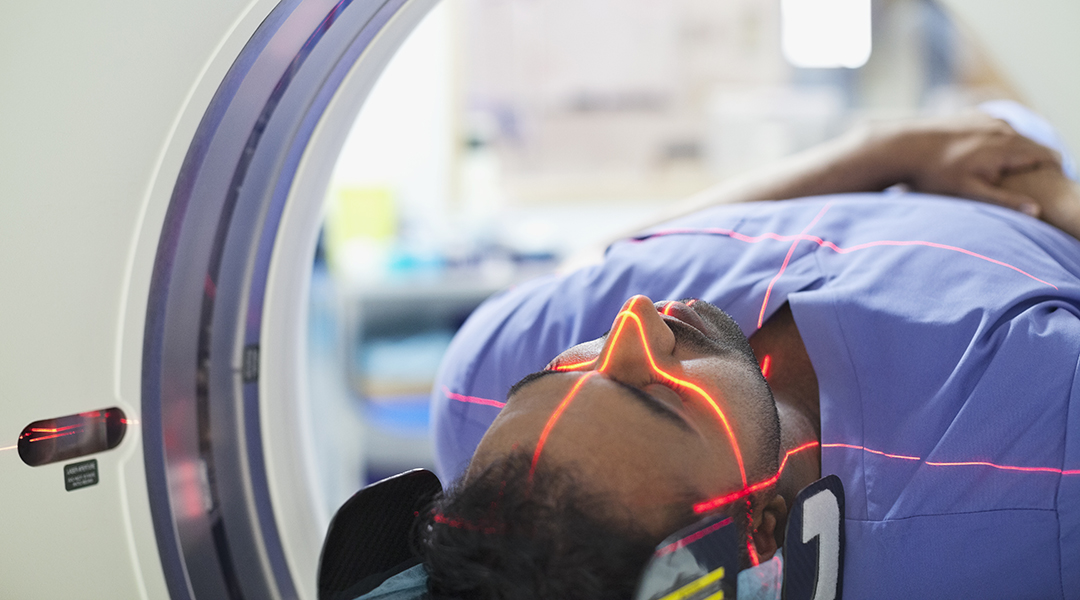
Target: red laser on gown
point(787, 259)
point(973, 463)
point(472, 399)
point(754, 239)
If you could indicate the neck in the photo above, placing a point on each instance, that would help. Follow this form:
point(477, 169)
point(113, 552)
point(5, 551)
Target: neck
point(795, 388)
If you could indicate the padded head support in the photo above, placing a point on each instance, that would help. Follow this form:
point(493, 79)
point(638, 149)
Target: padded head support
point(372, 536)
point(699, 561)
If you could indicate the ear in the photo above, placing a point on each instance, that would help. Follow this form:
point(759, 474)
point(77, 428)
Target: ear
point(769, 534)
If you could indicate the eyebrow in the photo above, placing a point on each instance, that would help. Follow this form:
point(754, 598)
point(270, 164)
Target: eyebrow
point(651, 403)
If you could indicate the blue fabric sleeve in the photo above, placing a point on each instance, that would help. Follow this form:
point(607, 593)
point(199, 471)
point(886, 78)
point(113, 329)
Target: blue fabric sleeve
point(410, 584)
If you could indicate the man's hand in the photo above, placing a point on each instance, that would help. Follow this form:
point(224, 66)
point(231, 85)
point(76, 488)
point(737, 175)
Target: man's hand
point(1057, 195)
point(971, 155)
point(967, 155)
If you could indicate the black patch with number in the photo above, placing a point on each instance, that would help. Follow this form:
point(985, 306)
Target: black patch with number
point(814, 543)
point(80, 474)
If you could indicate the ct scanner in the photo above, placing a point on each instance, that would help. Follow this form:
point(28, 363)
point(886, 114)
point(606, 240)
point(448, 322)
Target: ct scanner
point(162, 166)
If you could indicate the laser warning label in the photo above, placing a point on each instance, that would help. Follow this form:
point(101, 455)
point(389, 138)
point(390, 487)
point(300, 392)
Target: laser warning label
point(80, 474)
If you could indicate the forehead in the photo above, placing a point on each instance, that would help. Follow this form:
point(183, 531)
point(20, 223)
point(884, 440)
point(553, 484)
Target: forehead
point(603, 421)
point(541, 393)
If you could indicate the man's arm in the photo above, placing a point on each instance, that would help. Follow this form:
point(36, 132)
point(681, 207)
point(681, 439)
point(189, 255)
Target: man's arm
point(1057, 195)
point(972, 155)
point(968, 156)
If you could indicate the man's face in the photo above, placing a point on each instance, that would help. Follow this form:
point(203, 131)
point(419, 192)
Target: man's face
point(665, 408)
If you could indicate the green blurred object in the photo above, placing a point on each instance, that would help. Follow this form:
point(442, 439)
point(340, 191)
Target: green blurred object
point(361, 225)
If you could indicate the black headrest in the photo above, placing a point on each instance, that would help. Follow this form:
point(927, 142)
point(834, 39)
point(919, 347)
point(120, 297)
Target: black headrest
point(372, 536)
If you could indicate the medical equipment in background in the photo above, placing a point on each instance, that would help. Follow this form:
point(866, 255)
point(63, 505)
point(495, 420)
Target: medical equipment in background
point(162, 273)
point(162, 168)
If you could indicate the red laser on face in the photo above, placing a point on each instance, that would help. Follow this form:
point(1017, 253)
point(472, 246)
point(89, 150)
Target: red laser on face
point(714, 503)
point(588, 363)
point(751, 551)
point(766, 366)
point(574, 366)
point(621, 320)
point(554, 418)
point(463, 524)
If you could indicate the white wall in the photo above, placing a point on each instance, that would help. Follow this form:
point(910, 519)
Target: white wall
point(1036, 44)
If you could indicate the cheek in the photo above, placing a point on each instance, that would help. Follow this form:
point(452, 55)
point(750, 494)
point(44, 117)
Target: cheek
point(578, 356)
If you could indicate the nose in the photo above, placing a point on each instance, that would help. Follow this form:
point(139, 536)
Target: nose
point(639, 343)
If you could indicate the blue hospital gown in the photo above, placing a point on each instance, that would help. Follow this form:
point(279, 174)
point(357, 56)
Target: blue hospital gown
point(945, 335)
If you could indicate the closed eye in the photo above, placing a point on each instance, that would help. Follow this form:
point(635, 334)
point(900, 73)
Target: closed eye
point(656, 406)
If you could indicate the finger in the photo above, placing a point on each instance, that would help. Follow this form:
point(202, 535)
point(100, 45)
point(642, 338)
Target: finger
point(981, 190)
point(1018, 156)
point(1025, 154)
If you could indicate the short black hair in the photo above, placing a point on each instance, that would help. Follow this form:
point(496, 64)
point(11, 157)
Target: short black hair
point(504, 534)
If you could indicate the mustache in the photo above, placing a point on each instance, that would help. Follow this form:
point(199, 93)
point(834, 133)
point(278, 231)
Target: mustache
point(724, 335)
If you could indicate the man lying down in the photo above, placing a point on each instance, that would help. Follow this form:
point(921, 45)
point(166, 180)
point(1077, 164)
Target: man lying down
point(922, 347)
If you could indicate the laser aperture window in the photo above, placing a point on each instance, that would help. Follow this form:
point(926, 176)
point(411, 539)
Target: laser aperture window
point(64, 438)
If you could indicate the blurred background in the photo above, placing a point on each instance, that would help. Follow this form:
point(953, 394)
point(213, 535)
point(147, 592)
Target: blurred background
point(507, 134)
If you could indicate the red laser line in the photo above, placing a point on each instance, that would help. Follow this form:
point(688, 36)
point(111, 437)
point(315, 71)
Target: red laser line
point(708, 505)
point(9, 448)
point(471, 399)
point(768, 290)
point(553, 419)
point(463, 524)
point(693, 537)
point(572, 366)
point(1004, 467)
point(622, 319)
point(865, 449)
point(55, 435)
point(586, 363)
point(766, 366)
point(787, 259)
point(977, 463)
point(858, 247)
point(54, 430)
point(750, 549)
point(753, 239)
